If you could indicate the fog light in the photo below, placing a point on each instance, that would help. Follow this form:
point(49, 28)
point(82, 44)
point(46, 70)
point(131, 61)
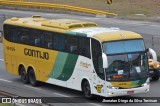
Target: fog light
point(115, 87)
point(109, 93)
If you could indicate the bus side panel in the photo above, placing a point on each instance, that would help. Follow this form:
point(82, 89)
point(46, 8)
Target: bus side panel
point(83, 69)
point(63, 68)
point(45, 69)
point(14, 65)
point(8, 63)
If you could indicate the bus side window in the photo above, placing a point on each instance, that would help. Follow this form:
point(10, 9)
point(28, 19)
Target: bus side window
point(84, 47)
point(59, 42)
point(97, 58)
point(10, 33)
point(47, 40)
point(23, 35)
point(7, 34)
point(36, 38)
point(72, 45)
point(15, 39)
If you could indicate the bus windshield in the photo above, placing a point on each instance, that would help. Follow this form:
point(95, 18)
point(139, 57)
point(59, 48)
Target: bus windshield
point(126, 60)
point(117, 47)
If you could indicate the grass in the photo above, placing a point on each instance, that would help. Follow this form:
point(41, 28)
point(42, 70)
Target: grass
point(6, 104)
point(124, 8)
point(148, 9)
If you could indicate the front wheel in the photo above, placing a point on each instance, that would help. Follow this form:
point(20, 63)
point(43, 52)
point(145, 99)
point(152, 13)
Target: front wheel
point(87, 90)
point(32, 77)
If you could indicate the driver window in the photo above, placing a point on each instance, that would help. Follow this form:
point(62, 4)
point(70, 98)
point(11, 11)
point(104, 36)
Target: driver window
point(97, 58)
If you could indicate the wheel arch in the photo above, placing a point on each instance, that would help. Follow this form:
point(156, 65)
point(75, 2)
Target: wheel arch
point(89, 81)
point(30, 67)
point(21, 65)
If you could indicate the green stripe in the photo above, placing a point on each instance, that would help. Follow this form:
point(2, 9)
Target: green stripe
point(69, 67)
point(134, 83)
point(58, 65)
point(64, 66)
point(142, 81)
point(70, 33)
point(76, 33)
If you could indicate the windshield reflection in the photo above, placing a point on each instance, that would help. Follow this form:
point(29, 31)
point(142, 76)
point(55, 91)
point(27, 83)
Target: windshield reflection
point(127, 66)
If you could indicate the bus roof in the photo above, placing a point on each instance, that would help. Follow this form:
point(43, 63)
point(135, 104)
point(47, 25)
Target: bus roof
point(75, 27)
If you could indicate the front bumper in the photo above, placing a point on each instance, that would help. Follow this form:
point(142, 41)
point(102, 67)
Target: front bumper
point(123, 92)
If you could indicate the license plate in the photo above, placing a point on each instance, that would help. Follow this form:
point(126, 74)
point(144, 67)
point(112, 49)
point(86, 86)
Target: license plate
point(130, 92)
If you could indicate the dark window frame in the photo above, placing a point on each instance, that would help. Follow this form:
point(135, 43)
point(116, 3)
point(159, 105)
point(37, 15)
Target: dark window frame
point(97, 58)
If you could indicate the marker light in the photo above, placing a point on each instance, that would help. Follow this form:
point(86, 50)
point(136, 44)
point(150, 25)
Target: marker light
point(113, 87)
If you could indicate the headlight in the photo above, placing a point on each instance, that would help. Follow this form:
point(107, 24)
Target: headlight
point(113, 87)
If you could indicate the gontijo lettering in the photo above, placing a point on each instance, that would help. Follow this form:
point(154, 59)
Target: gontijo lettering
point(36, 53)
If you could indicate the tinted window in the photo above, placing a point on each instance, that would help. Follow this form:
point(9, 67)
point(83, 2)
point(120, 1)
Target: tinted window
point(10, 33)
point(97, 58)
point(59, 42)
point(23, 35)
point(123, 46)
point(36, 39)
point(48, 40)
point(72, 45)
point(84, 47)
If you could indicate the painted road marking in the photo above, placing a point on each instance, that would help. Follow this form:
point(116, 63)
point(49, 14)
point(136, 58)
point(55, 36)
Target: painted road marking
point(1, 59)
point(32, 87)
point(95, 104)
point(155, 25)
point(60, 95)
point(5, 80)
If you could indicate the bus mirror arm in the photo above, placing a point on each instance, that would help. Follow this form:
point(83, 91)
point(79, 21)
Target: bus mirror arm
point(153, 53)
point(105, 60)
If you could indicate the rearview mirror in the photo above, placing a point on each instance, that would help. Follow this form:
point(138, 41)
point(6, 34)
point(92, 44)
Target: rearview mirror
point(153, 53)
point(105, 61)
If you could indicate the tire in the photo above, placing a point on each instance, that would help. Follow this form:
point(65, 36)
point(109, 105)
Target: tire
point(23, 75)
point(156, 76)
point(32, 77)
point(87, 90)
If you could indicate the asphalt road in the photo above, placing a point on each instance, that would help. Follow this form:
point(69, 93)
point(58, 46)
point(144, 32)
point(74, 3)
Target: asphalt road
point(12, 84)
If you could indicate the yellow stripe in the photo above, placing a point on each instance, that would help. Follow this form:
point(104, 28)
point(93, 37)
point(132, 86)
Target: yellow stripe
point(126, 84)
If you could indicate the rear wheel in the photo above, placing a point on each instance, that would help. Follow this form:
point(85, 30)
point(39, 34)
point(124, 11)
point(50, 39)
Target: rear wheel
point(32, 77)
point(87, 90)
point(23, 75)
